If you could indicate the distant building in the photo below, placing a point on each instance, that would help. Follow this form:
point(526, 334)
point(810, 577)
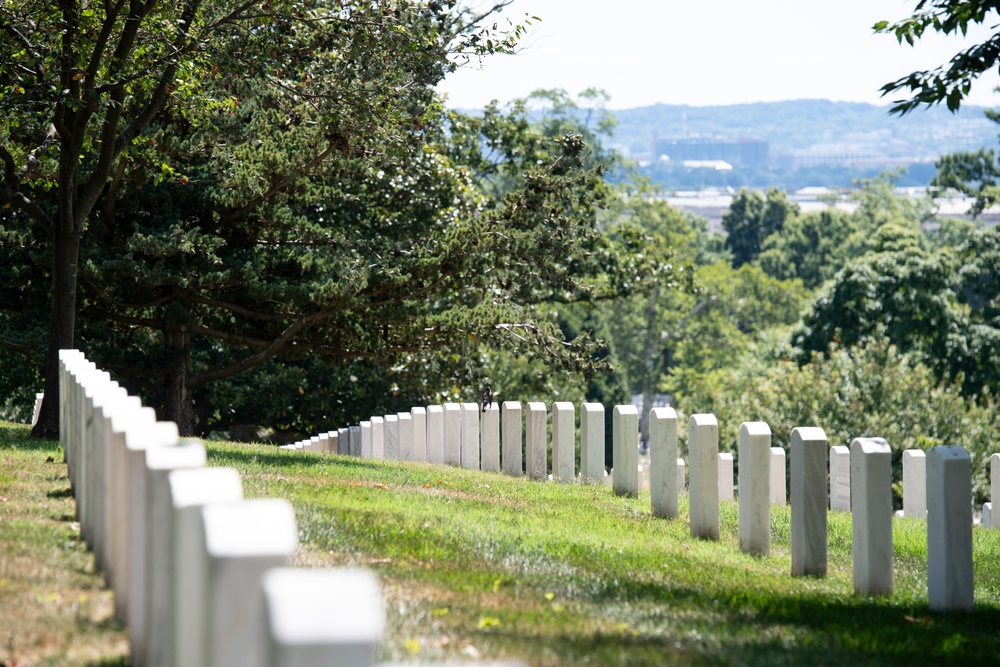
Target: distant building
point(738, 152)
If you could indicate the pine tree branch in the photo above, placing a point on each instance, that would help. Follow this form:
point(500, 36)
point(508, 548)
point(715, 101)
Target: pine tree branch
point(272, 348)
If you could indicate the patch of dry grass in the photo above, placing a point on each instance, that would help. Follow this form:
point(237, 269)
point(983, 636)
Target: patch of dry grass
point(53, 609)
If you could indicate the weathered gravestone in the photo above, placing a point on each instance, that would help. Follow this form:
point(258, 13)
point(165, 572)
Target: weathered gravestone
point(703, 447)
point(914, 484)
point(453, 434)
point(419, 418)
point(490, 439)
point(809, 529)
point(367, 444)
point(123, 422)
point(726, 468)
point(779, 493)
point(535, 436)
point(994, 489)
point(39, 397)
point(321, 617)
point(949, 529)
point(625, 450)
point(663, 462)
point(435, 434)
point(190, 490)
point(470, 436)
point(592, 441)
point(242, 541)
point(391, 430)
point(564, 441)
point(513, 453)
point(137, 442)
point(355, 440)
point(378, 437)
point(160, 584)
point(755, 477)
point(871, 519)
point(840, 478)
point(405, 421)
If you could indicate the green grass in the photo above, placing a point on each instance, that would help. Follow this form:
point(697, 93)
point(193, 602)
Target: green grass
point(482, 564)
point(476, 564)
point(53, 608)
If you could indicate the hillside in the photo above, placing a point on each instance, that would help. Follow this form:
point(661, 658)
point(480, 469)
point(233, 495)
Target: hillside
point(800, 125)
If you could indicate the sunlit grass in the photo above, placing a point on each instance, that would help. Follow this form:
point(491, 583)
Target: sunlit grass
point(53, 609)
point(482, 564)
point(476, 564)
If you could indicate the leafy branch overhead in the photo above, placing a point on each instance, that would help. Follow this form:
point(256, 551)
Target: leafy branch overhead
point(952, 82)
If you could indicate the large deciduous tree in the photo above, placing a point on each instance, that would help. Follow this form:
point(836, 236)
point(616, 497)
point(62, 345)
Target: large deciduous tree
point(92, 92)
point(751, 218)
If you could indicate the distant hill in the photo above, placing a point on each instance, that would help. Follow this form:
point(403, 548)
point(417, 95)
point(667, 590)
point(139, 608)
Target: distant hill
point(811, 125)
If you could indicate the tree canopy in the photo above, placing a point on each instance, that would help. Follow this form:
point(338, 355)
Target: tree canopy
point(210, 185)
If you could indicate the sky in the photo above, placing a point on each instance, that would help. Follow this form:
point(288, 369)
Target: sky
point(642, 52)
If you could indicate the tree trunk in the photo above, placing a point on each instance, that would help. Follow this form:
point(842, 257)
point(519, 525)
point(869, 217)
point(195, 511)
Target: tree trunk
point(650, 369)
point(177, 401)
point(62, 325)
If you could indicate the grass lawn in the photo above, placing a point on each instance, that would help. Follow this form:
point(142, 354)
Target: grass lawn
point(477, 564)
point(53, 608)
point(482, 565)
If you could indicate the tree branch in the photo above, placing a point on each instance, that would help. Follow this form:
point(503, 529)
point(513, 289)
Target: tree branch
point(277, 187)
point(272, 349)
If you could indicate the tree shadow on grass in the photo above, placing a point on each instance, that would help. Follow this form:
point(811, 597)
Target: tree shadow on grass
point(863, 629)
point(272, 457)
point(18, 436)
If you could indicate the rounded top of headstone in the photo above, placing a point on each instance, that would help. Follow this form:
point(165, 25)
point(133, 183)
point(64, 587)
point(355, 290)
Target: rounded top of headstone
point(157, 434)
point(663, 413)
point(870, 446)
point(949, 453)
point(755, 428)
point(317, 606)
point(703, 420)
point(914, 454)
point(201, 486)
point(189, 454)
point(258, 527)
point(809, 434)
point(840, 449)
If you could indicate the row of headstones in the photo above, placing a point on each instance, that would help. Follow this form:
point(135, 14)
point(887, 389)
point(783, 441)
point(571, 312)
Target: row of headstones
point(947, 490)
point(859, 478)
point(200, 575)
point(915, 487)
point(463, 434)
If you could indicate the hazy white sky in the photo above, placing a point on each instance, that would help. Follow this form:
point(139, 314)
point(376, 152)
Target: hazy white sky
point(705, 53)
